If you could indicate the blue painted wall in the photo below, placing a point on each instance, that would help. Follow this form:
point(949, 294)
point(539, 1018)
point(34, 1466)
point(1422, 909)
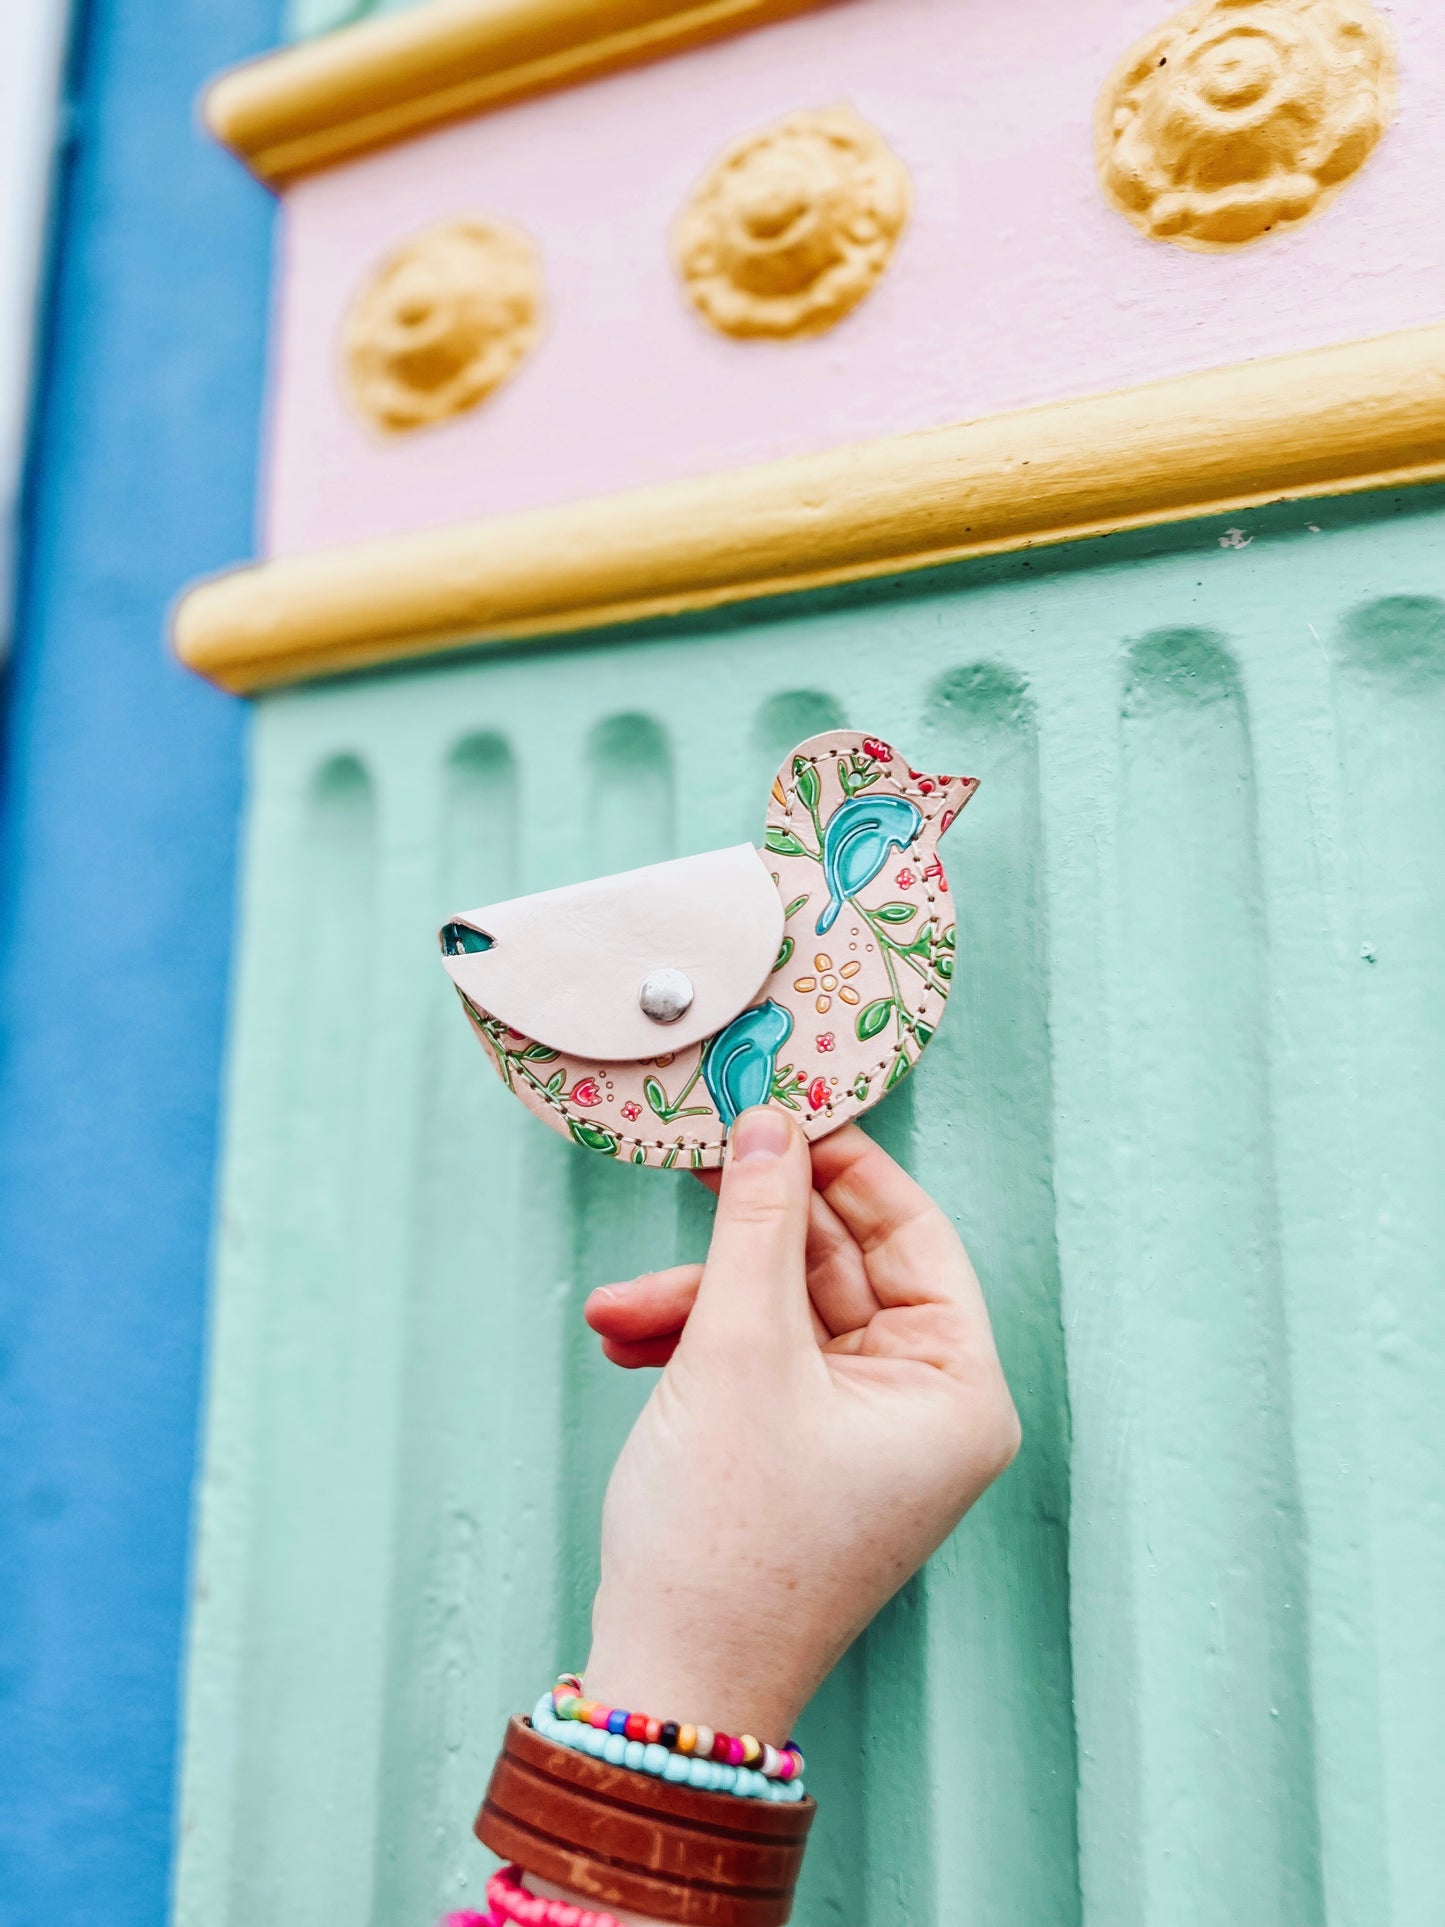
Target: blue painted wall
point(118, 812)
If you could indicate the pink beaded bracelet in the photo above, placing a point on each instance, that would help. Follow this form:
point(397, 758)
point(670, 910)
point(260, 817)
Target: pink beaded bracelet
point(775, 1763)
point(513, 1905)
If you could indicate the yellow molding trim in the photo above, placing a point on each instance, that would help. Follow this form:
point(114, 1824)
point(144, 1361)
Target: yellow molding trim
point(1367, 415)
point(363, 87)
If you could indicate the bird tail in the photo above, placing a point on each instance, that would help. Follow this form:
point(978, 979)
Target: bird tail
point(830, 916)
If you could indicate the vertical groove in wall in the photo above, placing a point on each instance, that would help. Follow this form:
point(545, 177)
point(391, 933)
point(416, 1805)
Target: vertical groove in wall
point(623, 1218)
point(313, 1592)
point(899, 1827)
point(455, 1557)
point(834, 1873)
point(782, 722)
point(1000, 1679)
point(1219, 1672)
point(1390, 674)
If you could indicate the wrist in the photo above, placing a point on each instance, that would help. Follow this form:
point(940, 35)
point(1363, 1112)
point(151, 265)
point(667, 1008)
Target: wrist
point(710, 1668)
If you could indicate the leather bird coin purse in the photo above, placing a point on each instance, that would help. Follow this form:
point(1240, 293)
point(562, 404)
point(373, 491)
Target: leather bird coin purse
point(638, 1014)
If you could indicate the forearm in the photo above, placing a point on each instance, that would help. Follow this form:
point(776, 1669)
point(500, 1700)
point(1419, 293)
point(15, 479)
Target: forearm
point(618, 1914)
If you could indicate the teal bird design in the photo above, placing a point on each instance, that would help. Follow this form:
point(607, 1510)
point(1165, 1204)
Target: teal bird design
point(738, 1068)
point(856, 843)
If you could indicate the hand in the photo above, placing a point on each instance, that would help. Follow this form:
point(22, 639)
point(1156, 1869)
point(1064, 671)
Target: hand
point(832, 1405)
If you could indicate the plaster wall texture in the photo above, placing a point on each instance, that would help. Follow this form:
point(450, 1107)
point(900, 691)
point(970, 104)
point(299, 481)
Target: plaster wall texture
point(1183, 1667)
point(119, 802)
point(1014, 284)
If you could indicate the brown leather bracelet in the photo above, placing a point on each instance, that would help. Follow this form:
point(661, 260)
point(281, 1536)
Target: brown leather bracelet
point(623, 1839)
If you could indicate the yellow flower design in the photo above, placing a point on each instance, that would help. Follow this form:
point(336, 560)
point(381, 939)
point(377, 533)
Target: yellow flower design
point(1240, 116)
point(828, 983)
point(443, 322)
point(793, 226)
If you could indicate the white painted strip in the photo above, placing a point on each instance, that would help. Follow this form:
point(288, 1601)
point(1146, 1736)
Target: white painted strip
point(35, 34)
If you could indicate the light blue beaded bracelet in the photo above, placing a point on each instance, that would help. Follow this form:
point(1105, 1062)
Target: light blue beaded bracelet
point(708, 1776)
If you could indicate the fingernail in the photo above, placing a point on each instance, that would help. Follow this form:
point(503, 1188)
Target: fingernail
point(759, 1133)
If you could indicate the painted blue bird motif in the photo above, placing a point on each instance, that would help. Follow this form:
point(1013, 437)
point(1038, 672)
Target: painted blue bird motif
point(639, 1015)
point(860, 834)
point(738, 1068)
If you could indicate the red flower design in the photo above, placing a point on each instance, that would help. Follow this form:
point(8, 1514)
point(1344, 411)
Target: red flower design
point(824, 1040)
point(817, 1093)
point(876, 750)
point(925, 783)
point(586, 1093)
point(934, 874)
point(946, 820)
point(631, 1112)
point(905, 878)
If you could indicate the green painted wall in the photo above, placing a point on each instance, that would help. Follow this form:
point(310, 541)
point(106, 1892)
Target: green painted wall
point(1183, 1667)
point(304, 18)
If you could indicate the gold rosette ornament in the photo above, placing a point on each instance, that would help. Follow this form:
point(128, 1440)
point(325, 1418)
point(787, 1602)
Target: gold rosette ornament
point(793, 226)
point(442, 324)
point(1238, 117)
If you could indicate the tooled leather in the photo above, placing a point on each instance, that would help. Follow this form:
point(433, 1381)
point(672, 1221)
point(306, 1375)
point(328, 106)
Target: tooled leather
point(566, 965)
point(624, 1839)
point(855, 991)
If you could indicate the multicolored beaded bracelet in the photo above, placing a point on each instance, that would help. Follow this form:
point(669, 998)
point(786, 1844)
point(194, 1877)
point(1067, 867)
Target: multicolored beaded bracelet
point(513, 1905)
point(650, 1756)
point(699, 1742)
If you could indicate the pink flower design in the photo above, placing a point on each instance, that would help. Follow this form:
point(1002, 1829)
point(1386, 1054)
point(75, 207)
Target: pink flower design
point(876, 750)
point(824, 1040)
point(631, 1112)
point(586, 1093)
point(817, 1093)
point(905, 878)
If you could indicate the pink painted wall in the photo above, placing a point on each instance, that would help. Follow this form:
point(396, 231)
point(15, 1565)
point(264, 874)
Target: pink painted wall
point(1014, 284)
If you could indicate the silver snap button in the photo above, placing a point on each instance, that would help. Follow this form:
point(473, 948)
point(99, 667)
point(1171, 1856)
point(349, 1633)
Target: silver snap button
point(665, 995)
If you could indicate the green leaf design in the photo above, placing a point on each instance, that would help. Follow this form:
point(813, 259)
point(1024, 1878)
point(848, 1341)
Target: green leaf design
point(639, 1156)
point(805, 775)
point(783, 843)
point(922, 1032)
point(795, 906)
point(947, 936)
point(784, 1084)
point(539, 1054)
point(872, 1017)
point(785, 950)
point(900, 1070)
point(896, 912)
point(594, 1136)
point(860, 1087)
point(944, 966)
point(656, 1096)
point(555, 1083)
point(669, 1158)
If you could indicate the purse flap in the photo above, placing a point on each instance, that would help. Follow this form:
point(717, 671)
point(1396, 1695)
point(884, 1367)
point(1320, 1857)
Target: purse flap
point(567, 967)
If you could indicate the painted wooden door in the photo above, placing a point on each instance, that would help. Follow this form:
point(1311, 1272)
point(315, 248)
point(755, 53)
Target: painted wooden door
point(1181, 1668)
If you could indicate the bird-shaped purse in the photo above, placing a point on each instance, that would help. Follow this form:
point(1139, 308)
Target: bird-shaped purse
point(638, 1014)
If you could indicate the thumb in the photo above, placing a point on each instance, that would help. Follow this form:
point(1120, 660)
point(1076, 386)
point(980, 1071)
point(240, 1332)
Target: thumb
point(755, 1281)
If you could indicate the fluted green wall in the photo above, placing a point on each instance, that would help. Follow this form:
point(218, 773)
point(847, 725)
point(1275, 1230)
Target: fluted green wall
point(1183, 1667)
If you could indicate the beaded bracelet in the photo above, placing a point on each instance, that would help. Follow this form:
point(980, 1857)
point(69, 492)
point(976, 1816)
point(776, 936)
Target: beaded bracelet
point(700, 1742)
point(650, 1756)
point(511, 1904)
